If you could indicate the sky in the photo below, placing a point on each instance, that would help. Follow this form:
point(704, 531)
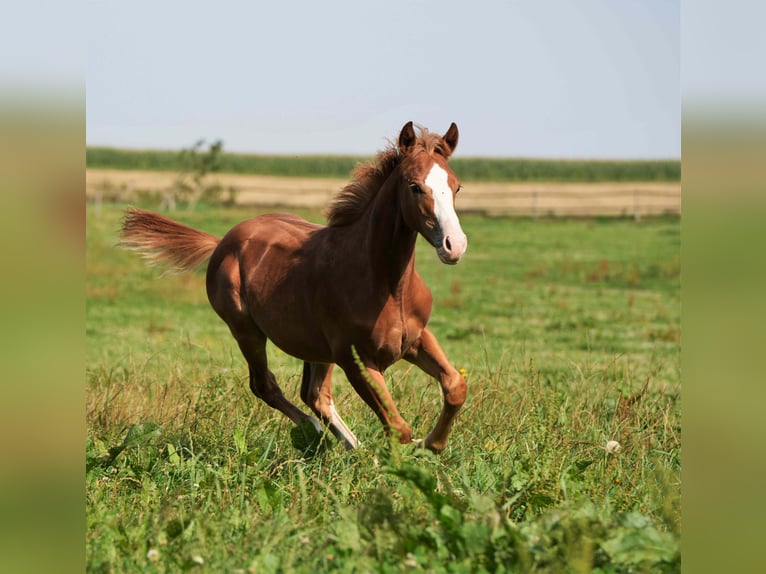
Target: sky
point(559, 79)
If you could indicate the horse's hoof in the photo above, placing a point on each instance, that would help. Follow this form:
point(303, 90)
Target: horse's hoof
point(418, 443)
point(434, 447)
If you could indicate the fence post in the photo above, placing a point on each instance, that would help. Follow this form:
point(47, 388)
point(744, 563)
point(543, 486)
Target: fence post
point(636, 212)
point(99, 200)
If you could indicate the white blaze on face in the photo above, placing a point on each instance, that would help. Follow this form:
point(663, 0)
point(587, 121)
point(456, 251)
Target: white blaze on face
point(444, 209)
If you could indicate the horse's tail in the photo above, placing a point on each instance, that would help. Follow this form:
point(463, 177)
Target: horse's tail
point(162, 240)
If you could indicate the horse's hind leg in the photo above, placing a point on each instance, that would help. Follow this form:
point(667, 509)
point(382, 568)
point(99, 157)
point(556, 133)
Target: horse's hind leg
point(252, 343)
point(223, 290)
point(316, 392)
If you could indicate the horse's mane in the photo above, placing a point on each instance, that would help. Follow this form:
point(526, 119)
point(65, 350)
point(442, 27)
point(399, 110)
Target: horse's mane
point(351, 201)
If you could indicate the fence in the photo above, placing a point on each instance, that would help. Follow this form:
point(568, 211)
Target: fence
point(554, 200)
point(515, 199)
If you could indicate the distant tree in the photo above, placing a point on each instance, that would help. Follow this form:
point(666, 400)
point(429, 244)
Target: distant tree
point(192, 183)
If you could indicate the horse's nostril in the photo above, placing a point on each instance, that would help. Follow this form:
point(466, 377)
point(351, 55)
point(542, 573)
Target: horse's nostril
point(447, 244)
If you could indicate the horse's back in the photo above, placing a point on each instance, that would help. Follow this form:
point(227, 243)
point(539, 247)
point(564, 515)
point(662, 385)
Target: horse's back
point(261, 249)
point(272, 228)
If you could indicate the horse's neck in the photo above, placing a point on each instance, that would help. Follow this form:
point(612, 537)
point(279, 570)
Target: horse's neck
point(389, 243)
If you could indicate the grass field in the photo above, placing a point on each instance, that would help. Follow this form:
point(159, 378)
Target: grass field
point(569, 332)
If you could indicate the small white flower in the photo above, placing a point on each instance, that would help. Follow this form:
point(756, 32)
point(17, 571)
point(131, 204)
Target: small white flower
point(197, 559)
point(613, 447)
point(153, 555)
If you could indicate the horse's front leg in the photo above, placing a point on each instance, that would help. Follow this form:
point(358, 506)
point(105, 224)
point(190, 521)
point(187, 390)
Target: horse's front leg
point(427, 354)
point(370, 384)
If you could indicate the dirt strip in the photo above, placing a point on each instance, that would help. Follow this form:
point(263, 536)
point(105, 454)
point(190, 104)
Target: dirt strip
point(543, 199)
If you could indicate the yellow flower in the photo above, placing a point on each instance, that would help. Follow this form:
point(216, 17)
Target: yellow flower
point(464, 373)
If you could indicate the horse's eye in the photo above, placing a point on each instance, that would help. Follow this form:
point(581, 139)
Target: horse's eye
point(415, 188)
point(459, 187)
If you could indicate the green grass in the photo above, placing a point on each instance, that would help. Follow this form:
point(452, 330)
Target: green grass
point(470, 169)
point(569, 332)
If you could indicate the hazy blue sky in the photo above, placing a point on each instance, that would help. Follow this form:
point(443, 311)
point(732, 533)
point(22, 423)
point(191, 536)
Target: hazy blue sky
point(581, 78)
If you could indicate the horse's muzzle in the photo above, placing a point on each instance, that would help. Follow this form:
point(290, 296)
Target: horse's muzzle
point(452, 247)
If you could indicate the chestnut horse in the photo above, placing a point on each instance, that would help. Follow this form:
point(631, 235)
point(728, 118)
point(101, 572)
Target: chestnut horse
point(345, 294)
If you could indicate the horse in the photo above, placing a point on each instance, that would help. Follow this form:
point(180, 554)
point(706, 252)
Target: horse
point(343, 294)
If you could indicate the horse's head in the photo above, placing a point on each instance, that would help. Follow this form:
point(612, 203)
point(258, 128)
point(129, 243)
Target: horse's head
point(428, 189)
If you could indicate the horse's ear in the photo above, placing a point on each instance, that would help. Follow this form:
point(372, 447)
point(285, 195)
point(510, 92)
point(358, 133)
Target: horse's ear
point(450, 138)
point(406, 137)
